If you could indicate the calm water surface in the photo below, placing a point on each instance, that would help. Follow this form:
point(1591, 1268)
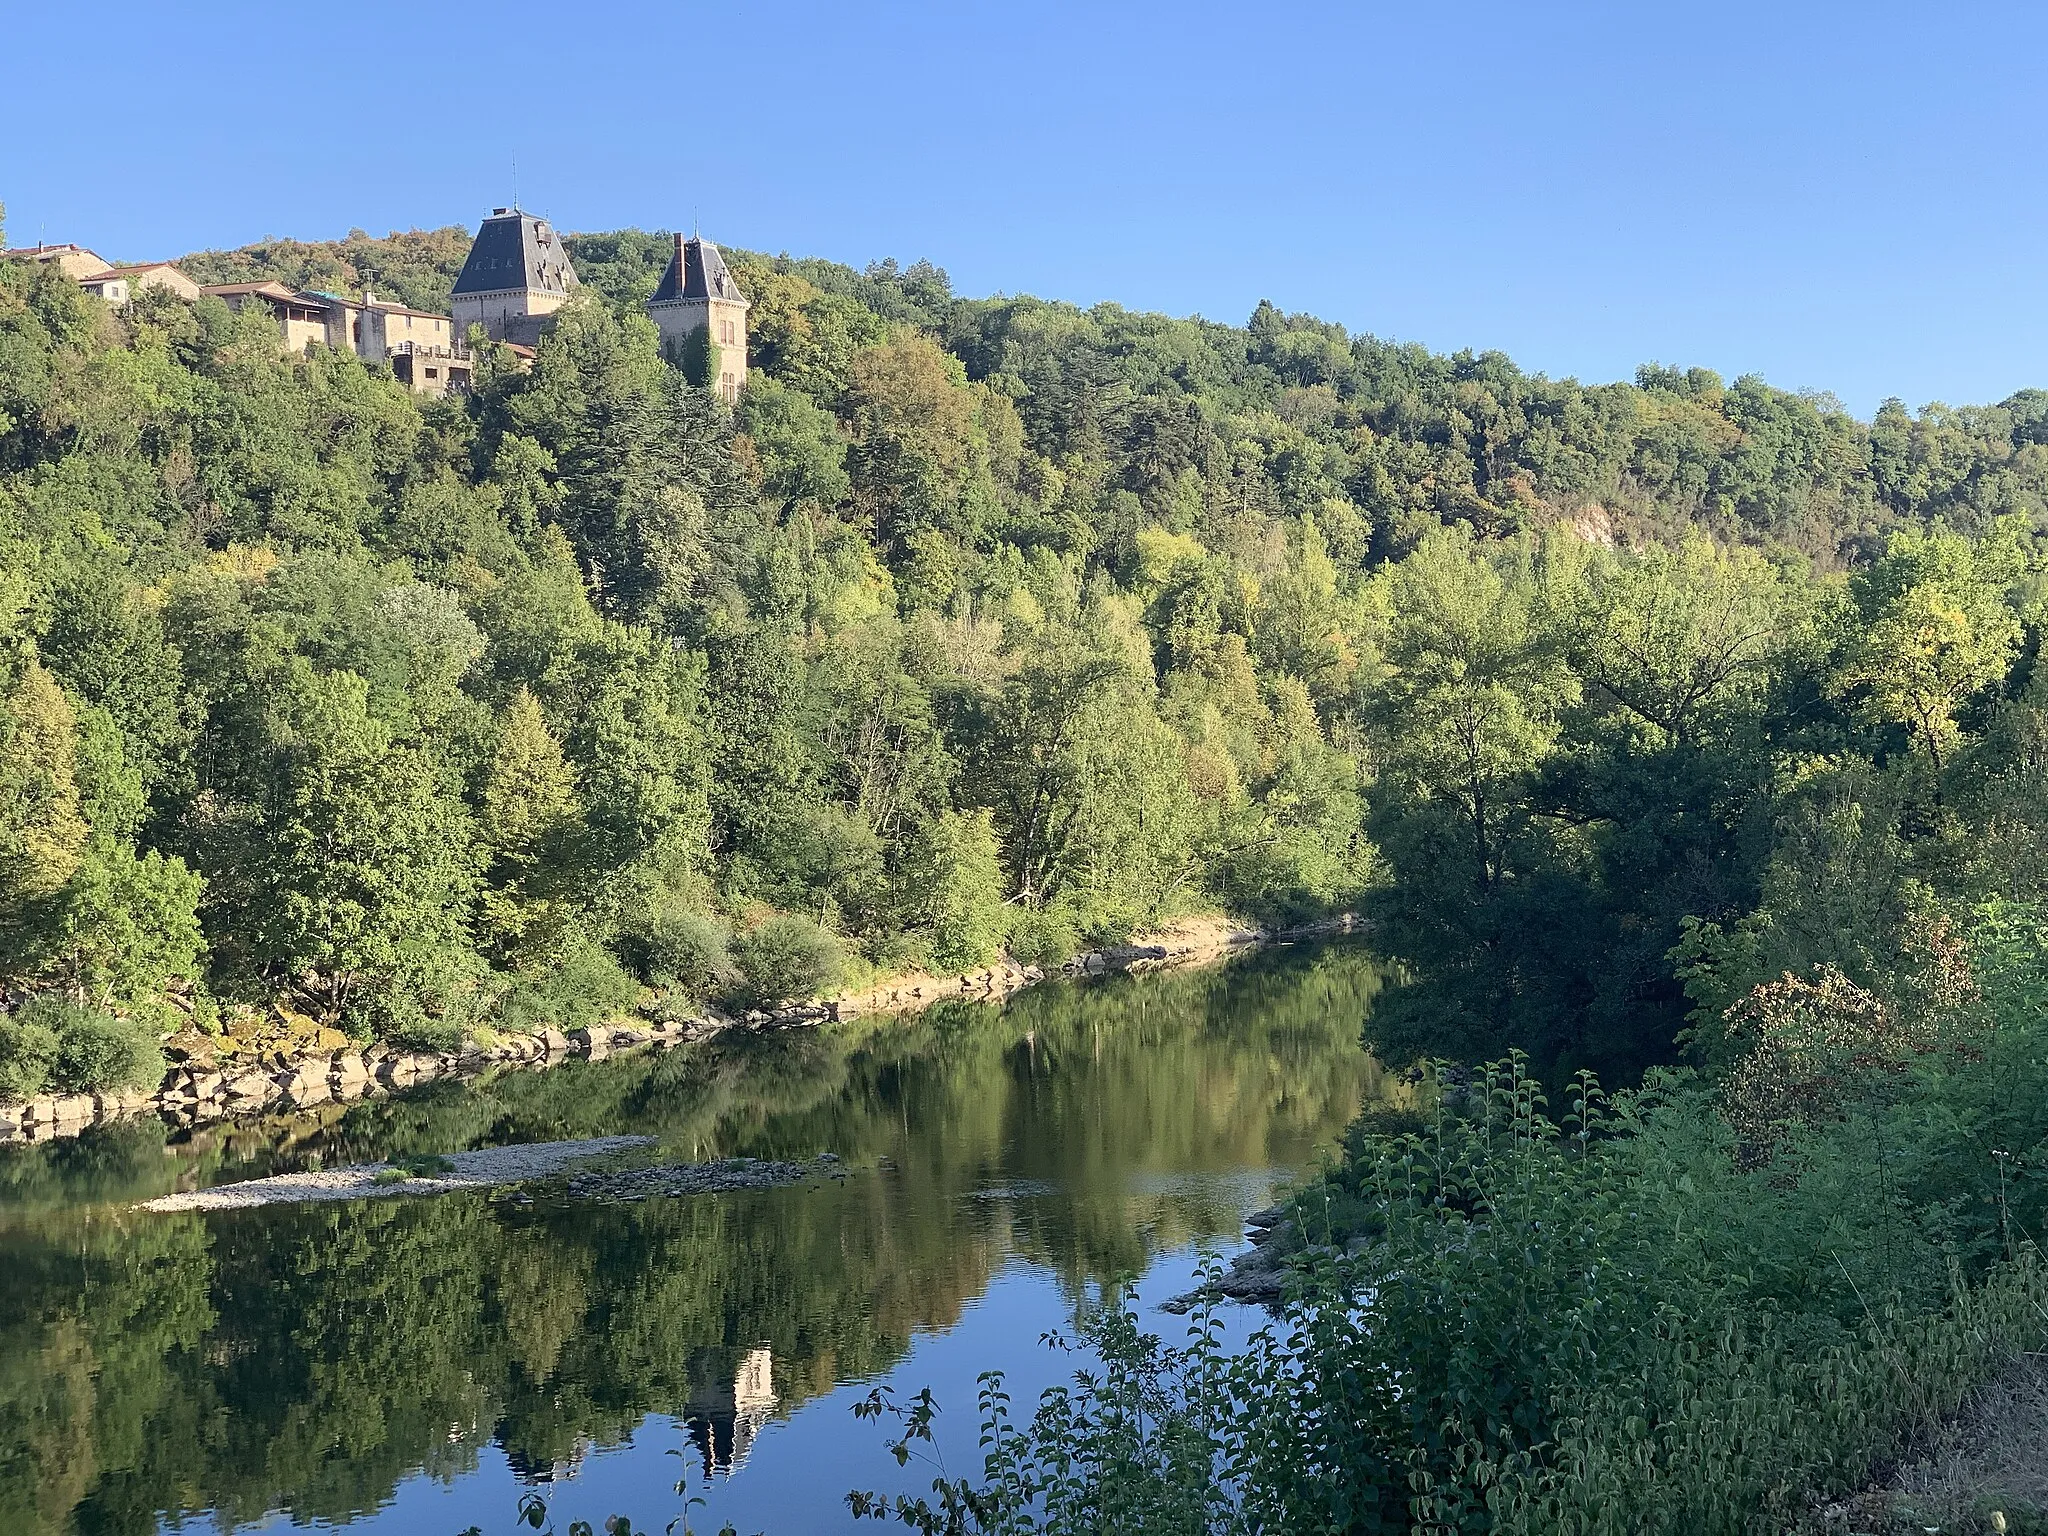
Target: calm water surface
point(415, 1364)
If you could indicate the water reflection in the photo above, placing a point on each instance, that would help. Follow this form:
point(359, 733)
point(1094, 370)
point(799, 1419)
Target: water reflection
point(310, 1359)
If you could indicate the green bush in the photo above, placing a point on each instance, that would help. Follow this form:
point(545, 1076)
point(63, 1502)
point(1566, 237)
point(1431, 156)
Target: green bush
point(421, 1031)
point(1045, 937)
point(954, 890)
point(686, 950)
point(784, 960)
point(587, 987)
point(54, 1044)
point(28, 1050)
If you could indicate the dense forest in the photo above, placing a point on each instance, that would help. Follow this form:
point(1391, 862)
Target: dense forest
point(978, 622)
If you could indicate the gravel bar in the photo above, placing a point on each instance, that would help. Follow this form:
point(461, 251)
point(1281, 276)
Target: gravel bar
point(621, 1184)
point(466, 1170)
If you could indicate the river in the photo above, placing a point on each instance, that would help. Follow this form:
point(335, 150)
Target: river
point(415, 1364)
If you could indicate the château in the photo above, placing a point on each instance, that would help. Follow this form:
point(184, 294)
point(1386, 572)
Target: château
point(515, 279)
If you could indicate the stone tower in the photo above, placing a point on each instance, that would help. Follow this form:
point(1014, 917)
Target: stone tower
point(517, 275)
point(698, 293)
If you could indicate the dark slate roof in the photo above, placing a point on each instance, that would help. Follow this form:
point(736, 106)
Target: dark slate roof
point(516, 250)
point(696, 271)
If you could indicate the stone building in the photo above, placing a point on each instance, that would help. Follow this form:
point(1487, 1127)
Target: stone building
point(303, 319)
point(516, 276)
point(698, 293)
point(74, 261)
point(117, 285)
point(420, 346)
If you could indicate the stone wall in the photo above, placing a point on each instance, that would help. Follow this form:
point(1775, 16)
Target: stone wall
point(512, 314)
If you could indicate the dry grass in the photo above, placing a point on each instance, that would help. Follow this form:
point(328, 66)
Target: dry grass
point(1985, 1470)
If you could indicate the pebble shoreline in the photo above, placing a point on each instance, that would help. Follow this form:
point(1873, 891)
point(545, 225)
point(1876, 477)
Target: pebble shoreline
point(478, 1169)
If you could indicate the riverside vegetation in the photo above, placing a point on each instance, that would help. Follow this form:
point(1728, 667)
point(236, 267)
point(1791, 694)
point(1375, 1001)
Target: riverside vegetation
point(1674, 721)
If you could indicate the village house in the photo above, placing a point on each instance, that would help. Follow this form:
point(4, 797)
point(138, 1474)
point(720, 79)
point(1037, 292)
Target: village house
point(74, 261)
point(421, 347)
point(303, 319)
point(118, 285)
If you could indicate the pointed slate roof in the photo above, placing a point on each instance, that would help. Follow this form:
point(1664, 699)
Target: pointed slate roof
point(696, 271)
point(515, 249)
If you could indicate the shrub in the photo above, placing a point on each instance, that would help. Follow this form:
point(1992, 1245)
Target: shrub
point(421, 1031)
point(954, 889)
point(429, 1004)
point(28, 1050)
point(785, 959)
point(687, 950)
point(1044, 937)
point(52, 1043)
point(587, 987)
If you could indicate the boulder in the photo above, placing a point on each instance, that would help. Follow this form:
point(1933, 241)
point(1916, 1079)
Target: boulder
point(307, 1085)
point(402, 1071)
point(552, 1041)
point(72, 1108)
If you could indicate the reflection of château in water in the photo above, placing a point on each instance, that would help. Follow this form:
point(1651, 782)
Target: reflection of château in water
point(723, 1425)
point(560, 1469)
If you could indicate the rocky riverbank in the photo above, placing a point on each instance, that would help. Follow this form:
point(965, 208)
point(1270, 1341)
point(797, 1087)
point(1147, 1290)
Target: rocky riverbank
point(1259, 1274)
point(201, 1089)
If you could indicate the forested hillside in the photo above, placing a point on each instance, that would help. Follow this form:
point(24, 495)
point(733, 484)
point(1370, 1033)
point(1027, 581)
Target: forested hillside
point(978, 622)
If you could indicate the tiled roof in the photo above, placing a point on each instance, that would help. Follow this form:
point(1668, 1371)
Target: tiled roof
point(35, 252)
point(270, 288)
point(134, 270)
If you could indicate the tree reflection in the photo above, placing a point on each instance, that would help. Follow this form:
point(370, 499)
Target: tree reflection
point(309, 1358)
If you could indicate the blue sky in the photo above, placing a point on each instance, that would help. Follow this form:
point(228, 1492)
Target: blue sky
point(1838, 197)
